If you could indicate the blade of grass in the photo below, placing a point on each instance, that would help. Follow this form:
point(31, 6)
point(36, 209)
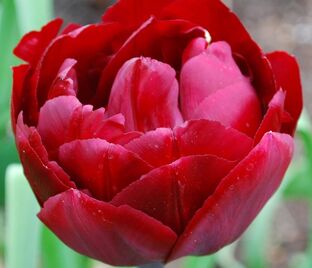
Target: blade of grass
point(200, 262)
point(22, 226)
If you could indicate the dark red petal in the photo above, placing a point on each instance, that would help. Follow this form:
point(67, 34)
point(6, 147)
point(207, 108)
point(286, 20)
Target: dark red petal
point(65, 82)
point(19, 75)
point(86, 45)
point(274, 117)
point(194, 48)
point(174, 192)
point(54, 120)
point(223, 25)
point(118, 236)
point(156, 147)
point(46, 178)
point(238, 198)
point(146, 92)
point(33, 44)
point(287, 74)
point(199, 137)
point(101, 167)
point(161, 40)
point(132, 13)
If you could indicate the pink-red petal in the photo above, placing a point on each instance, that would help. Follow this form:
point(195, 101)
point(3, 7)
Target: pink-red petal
point(238, 198)
point(116, 235)
point(101, 167)
point(146, 92)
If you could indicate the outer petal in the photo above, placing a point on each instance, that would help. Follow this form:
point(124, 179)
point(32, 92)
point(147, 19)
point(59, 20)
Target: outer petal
point(238, 198)
point(132, 13)
point(214, 16)
point(287, 74)
point(33, 44)
point(274, 117)
point(174, 192)
point(101, 167)
point(161, 40)
point(199, 137)
point(46, 178)
point(146, 92)
point(118, 236)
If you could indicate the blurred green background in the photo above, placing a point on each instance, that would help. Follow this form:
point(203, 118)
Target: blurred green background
point(281, 236)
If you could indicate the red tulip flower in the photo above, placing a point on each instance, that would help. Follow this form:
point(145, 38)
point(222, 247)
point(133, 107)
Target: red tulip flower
point(158, 133)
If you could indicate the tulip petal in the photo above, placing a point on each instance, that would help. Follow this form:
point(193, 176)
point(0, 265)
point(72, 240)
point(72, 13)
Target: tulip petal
point(101, 167)
point(164, 41)
point(213, 87)
point(146, 92)
point(64, 118)
point(172, 193)
point(114, 235)
point(224, 25)
point(33, 44)
point(238, 198)
point(19, 75)
point(156, 147)
point(287, 74)
point(194, 48)
point(274, 117)
point(65, 82)
point(54, 120)
point(199, 137)
point(132, 13)
point(45, 178)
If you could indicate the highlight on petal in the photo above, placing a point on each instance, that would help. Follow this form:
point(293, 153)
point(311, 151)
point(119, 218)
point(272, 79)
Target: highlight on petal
point(114, 235)
point(172, 193)
point(238, 198)
point(45, 177)
point(102, 168)
point(287, 75)
point(213, 87)
point(145, 92)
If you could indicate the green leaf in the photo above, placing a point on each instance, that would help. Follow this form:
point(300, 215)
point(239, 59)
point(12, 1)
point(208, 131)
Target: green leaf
point(22, 226)
point(200, 262)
